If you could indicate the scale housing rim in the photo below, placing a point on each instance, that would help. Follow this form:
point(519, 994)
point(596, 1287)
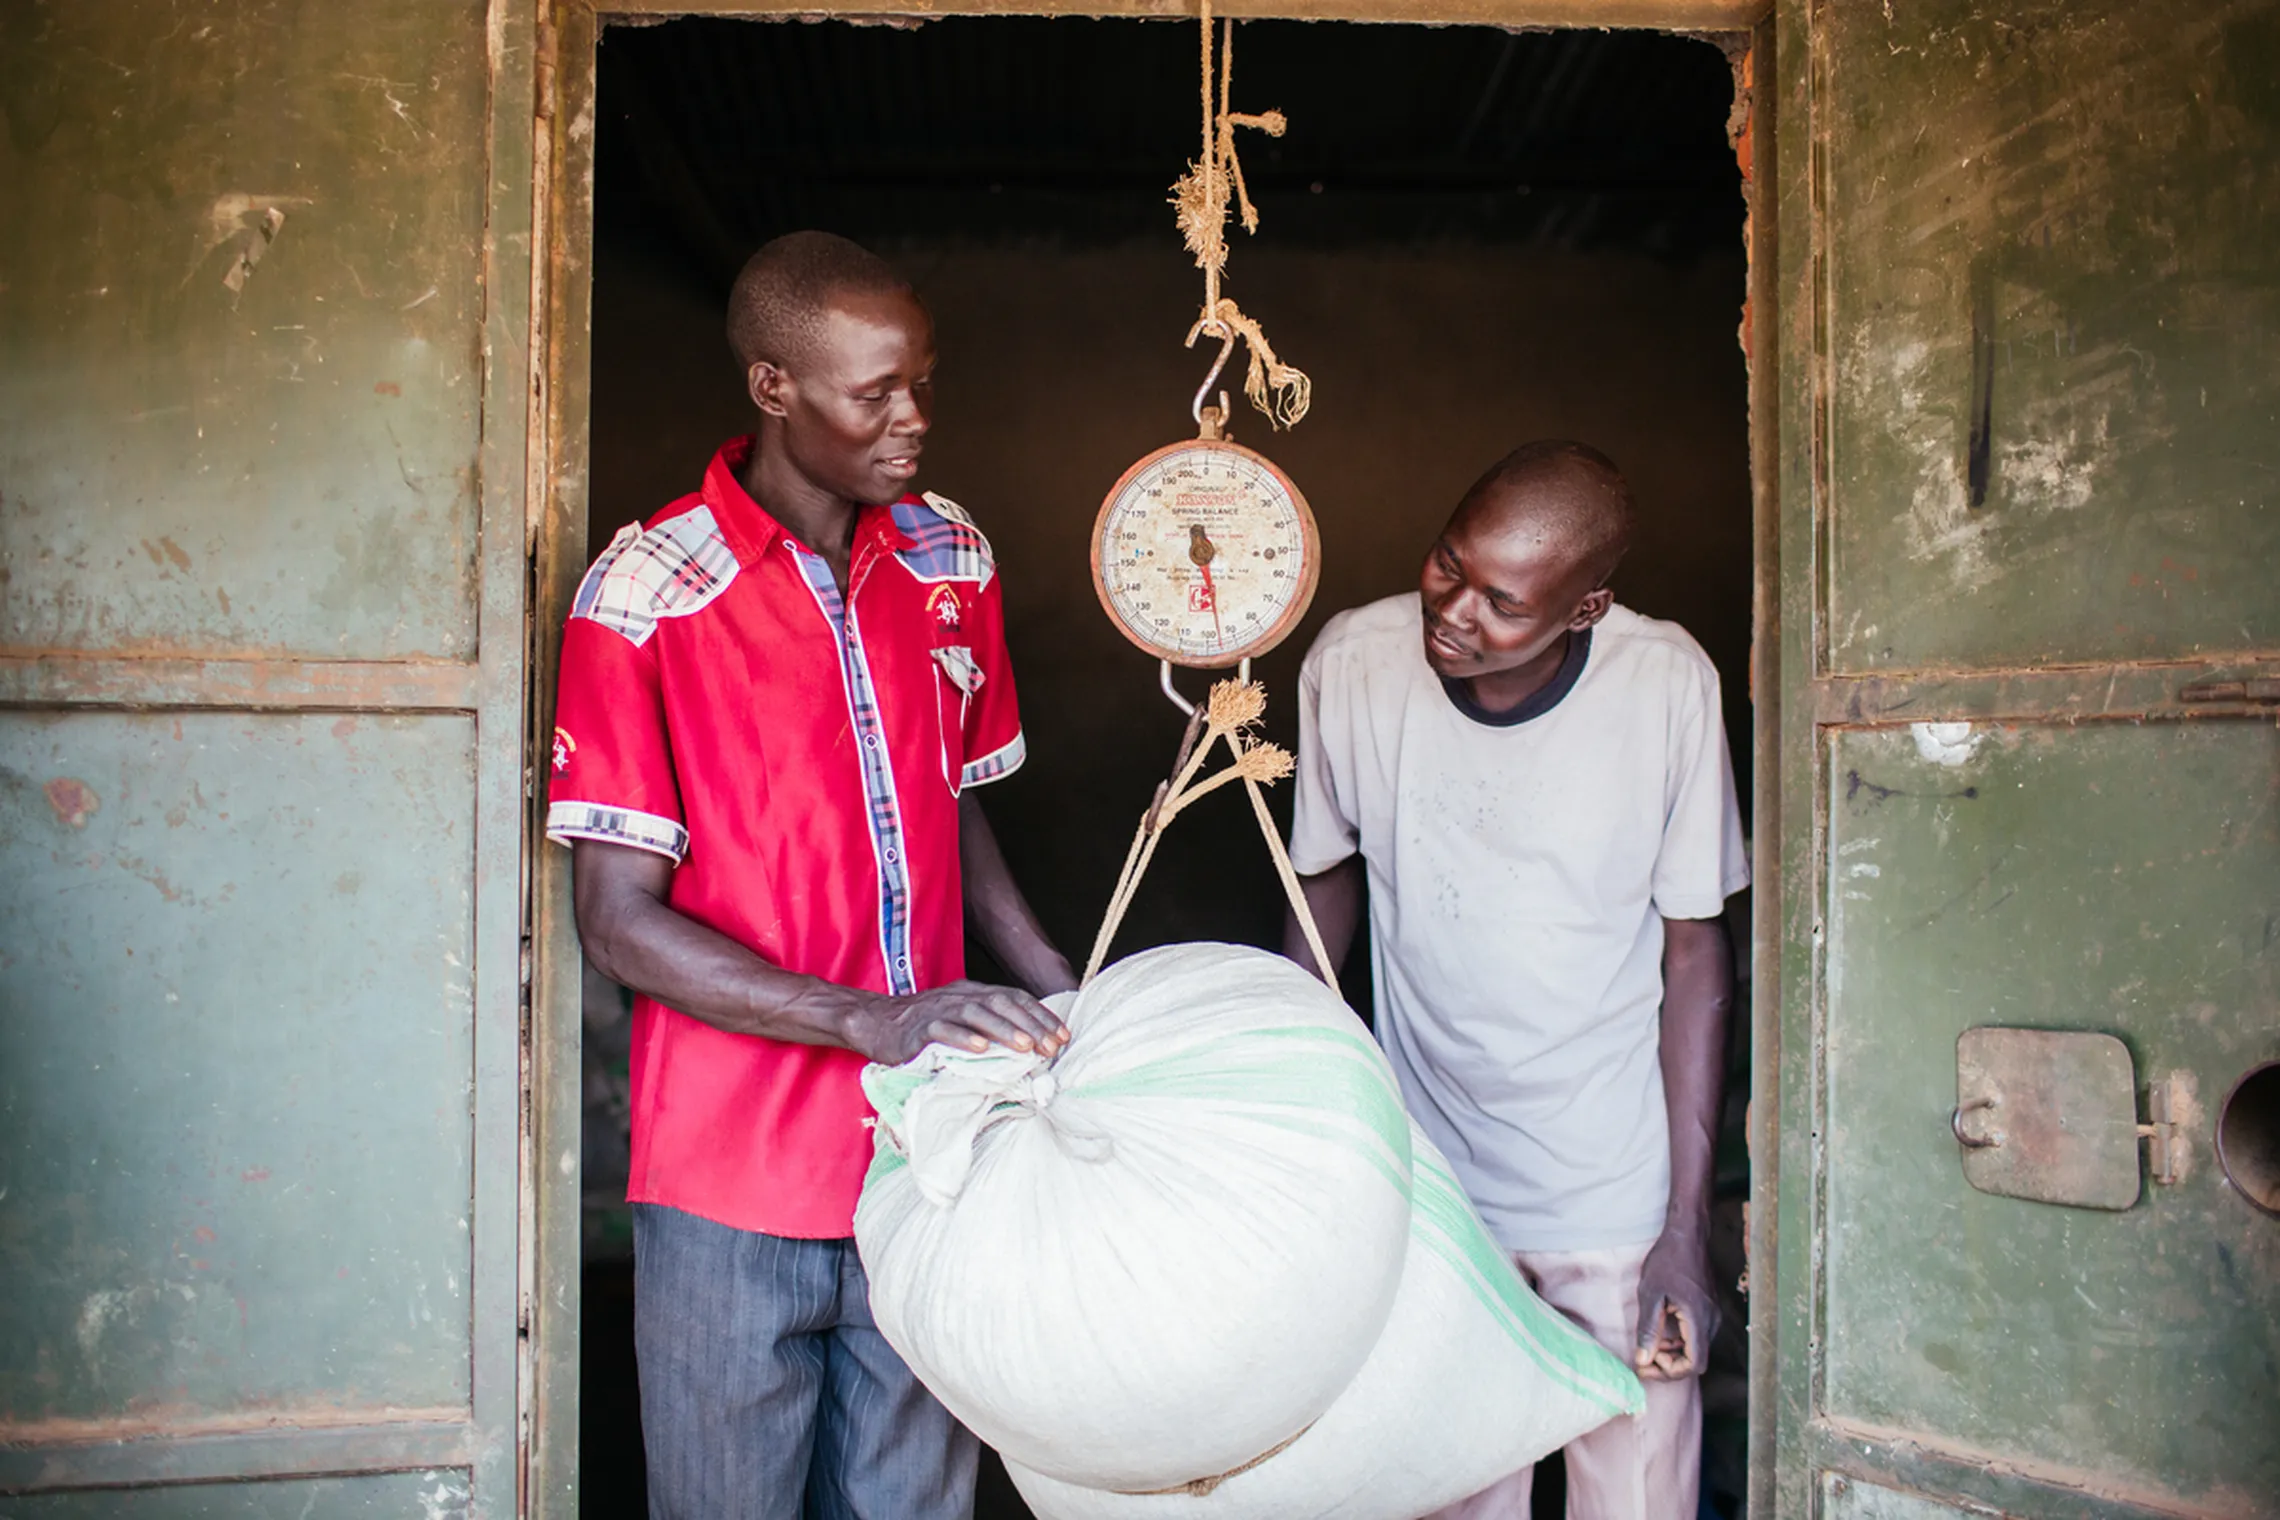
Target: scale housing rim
point(1275, 633)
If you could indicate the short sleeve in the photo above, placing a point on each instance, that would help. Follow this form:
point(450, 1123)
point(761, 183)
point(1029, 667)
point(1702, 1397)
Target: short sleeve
point(612, 761)
point(1702, 861)
point(1322, 831)
point(994, 746)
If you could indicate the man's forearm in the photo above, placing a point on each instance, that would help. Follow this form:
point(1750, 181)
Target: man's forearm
point(636, 938)
point(637, 941)
point(1001, 916)
point(1334, 897)
point(1698, 995)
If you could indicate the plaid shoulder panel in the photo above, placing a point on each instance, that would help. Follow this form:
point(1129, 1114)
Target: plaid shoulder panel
point(945, 545)
point(670, 570)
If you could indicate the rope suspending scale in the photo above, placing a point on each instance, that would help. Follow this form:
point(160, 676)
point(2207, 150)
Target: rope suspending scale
point(1205, 554)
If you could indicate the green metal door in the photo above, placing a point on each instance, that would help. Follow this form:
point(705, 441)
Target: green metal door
point(2029, 778)
point(264, 284)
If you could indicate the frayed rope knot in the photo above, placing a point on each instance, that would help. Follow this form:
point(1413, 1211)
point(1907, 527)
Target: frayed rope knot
point(1200, 199)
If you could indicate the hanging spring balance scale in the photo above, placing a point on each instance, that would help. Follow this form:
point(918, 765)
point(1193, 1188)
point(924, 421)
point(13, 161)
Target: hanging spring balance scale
point(1205, 554)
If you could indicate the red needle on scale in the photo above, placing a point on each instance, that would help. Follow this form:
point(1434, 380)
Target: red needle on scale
point(1202, 551)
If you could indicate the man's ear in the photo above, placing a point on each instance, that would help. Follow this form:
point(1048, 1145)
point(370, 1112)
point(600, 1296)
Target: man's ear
point(767, 385)
point(1591, 609)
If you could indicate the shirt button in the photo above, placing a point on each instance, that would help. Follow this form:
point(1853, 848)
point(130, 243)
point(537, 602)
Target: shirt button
point(871, 741)
point(902, 963)
point(892, 857)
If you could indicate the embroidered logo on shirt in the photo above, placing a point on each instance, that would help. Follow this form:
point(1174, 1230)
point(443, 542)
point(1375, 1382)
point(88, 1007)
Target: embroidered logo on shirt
point(944, 604)
point(564, 748)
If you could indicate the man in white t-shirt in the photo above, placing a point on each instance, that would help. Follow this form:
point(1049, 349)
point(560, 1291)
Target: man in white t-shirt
point(1536, 783)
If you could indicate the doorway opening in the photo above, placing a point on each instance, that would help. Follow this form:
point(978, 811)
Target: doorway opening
point(1469, 238)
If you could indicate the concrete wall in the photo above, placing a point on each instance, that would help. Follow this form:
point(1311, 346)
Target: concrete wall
point(1059, 368)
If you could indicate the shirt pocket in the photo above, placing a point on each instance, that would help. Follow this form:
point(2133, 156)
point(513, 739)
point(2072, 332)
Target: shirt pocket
point(959, 676)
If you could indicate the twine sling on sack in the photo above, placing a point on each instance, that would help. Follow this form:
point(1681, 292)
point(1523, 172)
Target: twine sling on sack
point(1228, 717)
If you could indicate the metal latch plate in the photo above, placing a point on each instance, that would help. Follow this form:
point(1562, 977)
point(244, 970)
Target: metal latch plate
point(2049, 1115)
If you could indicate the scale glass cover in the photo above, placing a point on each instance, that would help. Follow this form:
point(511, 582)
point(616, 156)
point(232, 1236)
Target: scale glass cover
point(1205, 554)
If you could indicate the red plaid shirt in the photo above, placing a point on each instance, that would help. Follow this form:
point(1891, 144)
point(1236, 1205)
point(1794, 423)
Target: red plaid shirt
point(798, 755)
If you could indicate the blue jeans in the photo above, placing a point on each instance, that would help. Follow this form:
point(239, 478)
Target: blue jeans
point(767, 1393)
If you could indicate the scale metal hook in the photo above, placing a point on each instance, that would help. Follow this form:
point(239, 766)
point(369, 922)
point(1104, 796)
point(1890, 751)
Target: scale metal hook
point(1187, 708)
point(1226, 336)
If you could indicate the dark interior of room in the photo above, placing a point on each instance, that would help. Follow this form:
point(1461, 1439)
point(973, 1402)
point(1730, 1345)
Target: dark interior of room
point(1469, 239)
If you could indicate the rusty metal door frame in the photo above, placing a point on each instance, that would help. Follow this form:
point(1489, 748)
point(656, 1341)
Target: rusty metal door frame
point(560, 220)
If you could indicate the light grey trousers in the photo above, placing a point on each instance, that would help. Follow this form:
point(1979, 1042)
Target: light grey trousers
point(1634, 1467)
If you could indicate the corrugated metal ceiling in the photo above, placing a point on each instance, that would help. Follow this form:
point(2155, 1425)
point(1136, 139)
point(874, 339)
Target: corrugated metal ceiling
point(719, 134)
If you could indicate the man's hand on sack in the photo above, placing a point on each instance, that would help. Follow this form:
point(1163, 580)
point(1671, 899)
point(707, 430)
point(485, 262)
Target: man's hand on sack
point(970, 1015)
point(637, 939)
point(1678, 1313)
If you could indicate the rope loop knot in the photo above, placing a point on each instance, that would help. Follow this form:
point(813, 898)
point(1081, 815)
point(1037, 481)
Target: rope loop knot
point(1201, 199)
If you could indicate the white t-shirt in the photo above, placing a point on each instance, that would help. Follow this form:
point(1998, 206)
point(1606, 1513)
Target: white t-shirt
point(1519, 875)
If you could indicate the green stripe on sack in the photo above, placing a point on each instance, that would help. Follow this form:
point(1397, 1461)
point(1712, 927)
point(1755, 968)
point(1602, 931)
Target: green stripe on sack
point(889, 1087)
point(1444, 1222)
point(1341, 1077)
point(885, 1162)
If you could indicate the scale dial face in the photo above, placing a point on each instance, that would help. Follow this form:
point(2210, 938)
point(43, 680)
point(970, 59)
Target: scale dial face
point(1205, 554)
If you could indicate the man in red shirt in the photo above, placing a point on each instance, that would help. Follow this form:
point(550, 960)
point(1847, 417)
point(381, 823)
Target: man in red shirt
point(776, 697)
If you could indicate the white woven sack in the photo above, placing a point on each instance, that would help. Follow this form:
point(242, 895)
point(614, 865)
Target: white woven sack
point(1165, 1253)
point(1475, 1377)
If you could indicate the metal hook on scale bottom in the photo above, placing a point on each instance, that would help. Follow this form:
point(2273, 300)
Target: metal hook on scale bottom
point(1218, 425)
point(1187, 708)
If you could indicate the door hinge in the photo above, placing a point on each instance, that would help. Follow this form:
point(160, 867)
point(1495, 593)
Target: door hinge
point(543, 72)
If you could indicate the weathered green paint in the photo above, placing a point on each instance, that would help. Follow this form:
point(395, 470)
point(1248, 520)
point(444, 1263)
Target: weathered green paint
point(2048, 234)
point(265, 332)
point(1772, 202)
point(1844, 1498)
point(288, 466)
point(237, 1149)
point(1781, 1037)
point(2090, 192)
point(438, 1495)
point(2044, 878)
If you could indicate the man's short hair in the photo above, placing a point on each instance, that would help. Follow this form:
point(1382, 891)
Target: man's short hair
point(776, 309)
point(1568, 492)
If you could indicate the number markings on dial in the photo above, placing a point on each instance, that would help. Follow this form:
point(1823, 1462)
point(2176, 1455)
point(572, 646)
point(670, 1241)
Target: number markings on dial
point(1204, 553)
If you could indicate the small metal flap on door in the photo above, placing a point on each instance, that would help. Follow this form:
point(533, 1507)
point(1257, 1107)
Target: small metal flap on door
point(2049, 1115)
